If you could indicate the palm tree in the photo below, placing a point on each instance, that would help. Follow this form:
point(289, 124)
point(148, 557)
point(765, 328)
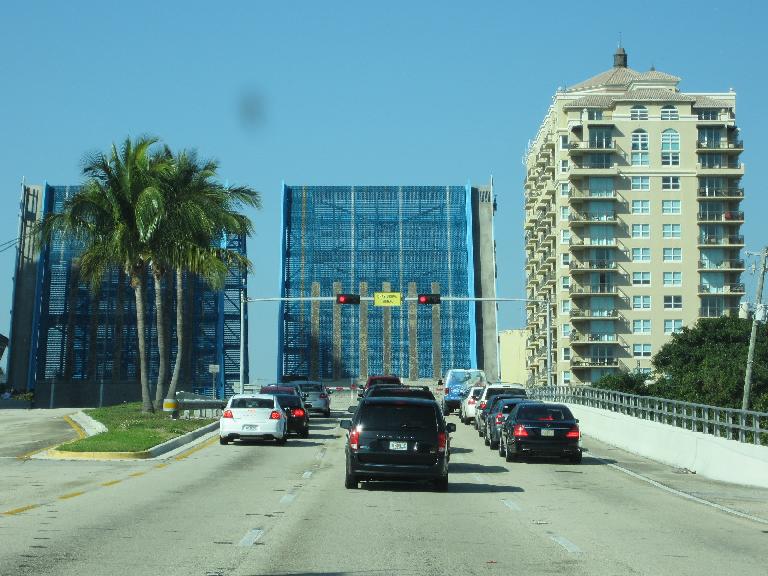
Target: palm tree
point(199, 211)
point(115, 216)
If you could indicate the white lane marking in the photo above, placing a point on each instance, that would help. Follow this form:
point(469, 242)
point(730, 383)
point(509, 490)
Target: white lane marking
point(567, 544)
point(287, 499)
point(512, 505)
point(251, 537)
point(320, 455)
point(307, 474)
point(683, 494)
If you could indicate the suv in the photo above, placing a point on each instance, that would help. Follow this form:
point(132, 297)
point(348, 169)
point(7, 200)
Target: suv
point(389, 380)
point(457, 382)
point(494, 390)
point(317, 398)
point(397, 439)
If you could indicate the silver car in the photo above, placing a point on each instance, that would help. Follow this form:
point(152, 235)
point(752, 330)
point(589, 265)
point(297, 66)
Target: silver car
point(317, 398)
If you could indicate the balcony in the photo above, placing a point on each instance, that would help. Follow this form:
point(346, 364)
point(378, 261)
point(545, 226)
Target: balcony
point(606, 195)
point(724, 265)
point(730, 216)
point(581, 218)
point(723, 118)
point(594, 289)
point(593, 243)
point(578, 363)
point(599, 314)
point(716, 311)
point(732, 193)
point(578, 338)
point(733, 288)
point(592, 265)
point(721, 169)
point(721, 145)
point(594, 169)
point(576, 148)
point(734, 240)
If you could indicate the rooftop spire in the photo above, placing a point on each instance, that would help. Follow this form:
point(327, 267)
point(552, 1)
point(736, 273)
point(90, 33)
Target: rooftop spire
point(620, 58)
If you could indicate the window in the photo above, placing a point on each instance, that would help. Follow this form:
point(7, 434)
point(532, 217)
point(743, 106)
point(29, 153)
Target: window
point(641, 254)
point(639, 148)
point(670, 231)
point(673, 278)
point(566, 353)
point(670, 182)
point(565, 236)
point(641, 230)
point(641, 278)
point(669, 113)
point(709, 114)
point(565, 259)
point(640, 159)
point(565, 306)
point(565, 282)
point(641, 326)
point(599, 160)
point(673, 254)
point(638, 113)
point(672, 326)
point(641, 183)
point(563, 165)
point(594, 114)
point(564, 142)
point(641, 350)
point(565, 189)
point(670, 148)
point(641, 207)
point(566, 330)
point(673, 302)
point(566, 377)
point(641, 303)
point(565, 213)
point(670, 206)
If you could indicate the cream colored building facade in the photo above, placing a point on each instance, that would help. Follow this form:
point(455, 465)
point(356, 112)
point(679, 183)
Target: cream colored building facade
point(632, 221)
point(512, 356)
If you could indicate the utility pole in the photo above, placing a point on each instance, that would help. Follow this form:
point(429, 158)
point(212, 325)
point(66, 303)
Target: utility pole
point(753, 334)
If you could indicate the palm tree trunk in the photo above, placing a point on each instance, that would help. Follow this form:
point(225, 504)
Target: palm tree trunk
point(180, 343)
point(137, 281)
point(162, 338)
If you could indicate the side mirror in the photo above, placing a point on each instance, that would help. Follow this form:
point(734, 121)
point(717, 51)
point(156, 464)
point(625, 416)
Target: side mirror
point(450, 427)
point(352, 409)
point(577, 420)
point(346, 424)
point(329, 391)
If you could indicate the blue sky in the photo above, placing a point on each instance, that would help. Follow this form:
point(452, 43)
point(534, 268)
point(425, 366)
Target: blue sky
point(345, 93)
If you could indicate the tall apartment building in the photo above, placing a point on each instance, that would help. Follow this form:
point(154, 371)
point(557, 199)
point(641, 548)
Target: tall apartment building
point(633, 220)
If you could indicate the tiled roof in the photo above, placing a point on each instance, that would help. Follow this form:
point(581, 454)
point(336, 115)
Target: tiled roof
point(706, 102)
point(591, 101)
point(641, 95)
point(620, 76)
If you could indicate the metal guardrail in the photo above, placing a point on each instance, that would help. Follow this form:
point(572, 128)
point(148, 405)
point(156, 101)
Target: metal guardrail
point(194, 403)
point(731, 423)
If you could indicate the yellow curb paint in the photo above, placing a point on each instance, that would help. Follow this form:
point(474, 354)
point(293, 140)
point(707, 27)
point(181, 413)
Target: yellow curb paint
point(63, 454)
point(196, 448)
point(111, 482)
point(76, 427)
point(20, 510)
point(71, 495)
point(28, 455)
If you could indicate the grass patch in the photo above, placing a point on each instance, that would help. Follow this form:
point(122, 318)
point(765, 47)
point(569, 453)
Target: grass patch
point(129, 430)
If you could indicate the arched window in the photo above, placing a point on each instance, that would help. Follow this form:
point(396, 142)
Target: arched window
point(639, 148)
point(669, 113)
point(638, 113)
point(670, 148)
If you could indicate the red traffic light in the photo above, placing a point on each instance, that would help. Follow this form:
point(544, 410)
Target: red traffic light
point(429, 299)
point(347, 299)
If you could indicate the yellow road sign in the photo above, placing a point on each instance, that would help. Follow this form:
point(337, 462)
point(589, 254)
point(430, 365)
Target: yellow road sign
point(387, 299)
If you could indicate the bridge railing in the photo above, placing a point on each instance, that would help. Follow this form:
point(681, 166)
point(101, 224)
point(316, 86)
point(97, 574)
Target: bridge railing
point(732, 423)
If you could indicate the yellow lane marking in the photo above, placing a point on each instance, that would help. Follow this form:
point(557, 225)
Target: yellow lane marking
point(76, 427)
point(196, 448)
point(71, 495)
point(111, 483)
point(135, 474)
point(20, 510)
point(160, 465)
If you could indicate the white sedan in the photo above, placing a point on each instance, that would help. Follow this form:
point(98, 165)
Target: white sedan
point(253, 417)
point(469, 404)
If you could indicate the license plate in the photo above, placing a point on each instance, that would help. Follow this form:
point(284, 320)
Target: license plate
point(308, 405)
point(398, 445)
point(251, 427)
point(547, 432)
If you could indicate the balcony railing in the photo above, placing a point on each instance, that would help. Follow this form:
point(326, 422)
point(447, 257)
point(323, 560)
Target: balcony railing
point(721, 240)
point(720, 166)
point(593, 265)
point(602, 145)
point(589, 314)
point(595, 165)
point(724, 265)
point(734, 288)
point(592, 217)
point(720, 144)
point(593, 362)
point(717, 311)
point(594, 289)
point(724, 216)
point(600, 242)
point(721, 192)
point(593, 194)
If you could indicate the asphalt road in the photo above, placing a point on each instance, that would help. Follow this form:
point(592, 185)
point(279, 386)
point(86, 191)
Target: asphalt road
point(261, 509)
point(25, 431)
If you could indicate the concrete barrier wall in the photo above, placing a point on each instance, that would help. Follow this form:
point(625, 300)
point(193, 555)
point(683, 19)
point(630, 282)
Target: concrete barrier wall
point(709, 456)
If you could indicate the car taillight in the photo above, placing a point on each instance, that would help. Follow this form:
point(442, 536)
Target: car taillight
point(274, 415)
point(499, 418)
point(519, 431)
point(227, 414)
point(354, 438)
point(323, 395)
point(298, 412)
point(442, 441)
point(574, 432)
point(471, 401)
point(482, 405)
point(447, 390)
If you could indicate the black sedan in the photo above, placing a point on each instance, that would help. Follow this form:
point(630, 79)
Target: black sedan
point(293, 405)
point(541, 430)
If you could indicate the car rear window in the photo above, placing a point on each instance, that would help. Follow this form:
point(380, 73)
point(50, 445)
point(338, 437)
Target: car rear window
point(311, 388)
point(253, 403)
point(384, 380)
point(405, 392)
point(544, 413)
point(477, 393)
point(289, 400)
point(397, 417)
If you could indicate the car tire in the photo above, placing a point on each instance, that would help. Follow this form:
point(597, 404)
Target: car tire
point(493, 444)
point(304, 433)
point(485, 439)
point(575, 459)
point(441, 484)
point(327, 413)
point(223, 440)
point(350, 481)
point(502, 448)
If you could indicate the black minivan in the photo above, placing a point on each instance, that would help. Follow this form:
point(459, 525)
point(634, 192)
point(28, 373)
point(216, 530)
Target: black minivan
point(397, 439)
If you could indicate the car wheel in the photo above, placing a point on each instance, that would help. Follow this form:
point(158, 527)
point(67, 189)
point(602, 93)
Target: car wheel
point(493, 444)
point(327, 413)
point(575, 459)
point(485, 439)
point(509, 456)
point(350, 481)
point(502, 448)
point(441, 484)
point(223, 440)
point(304, 433)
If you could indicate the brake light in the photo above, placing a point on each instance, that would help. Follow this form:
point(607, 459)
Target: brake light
point(547, 417)
point(323, 395)
point(354, 439)
point(298, 412)
point(482, 405)
point(274, 415)
point(574, 432)
point(227, 414)
point(471, 401)
point(442, 441)
point(519, 431)
point(447, 390)
point(499, 418)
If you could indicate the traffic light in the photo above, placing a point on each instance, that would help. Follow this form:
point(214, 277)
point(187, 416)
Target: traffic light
point(429, 299)
point(347, 298)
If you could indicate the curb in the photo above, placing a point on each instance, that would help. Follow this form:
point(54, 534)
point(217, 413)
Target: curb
point(153, 452)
